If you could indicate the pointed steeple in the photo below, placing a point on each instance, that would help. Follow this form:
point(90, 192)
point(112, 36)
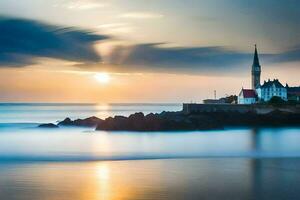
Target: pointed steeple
point(256, 59)
point(256, 70)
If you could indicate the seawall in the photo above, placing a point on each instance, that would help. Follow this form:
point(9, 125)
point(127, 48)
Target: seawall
point(259, 109)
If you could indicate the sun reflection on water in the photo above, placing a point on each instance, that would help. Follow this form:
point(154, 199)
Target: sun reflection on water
point(104, 182)
point(110, 184)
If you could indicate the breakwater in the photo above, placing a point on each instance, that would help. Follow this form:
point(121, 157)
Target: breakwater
point(253, 108)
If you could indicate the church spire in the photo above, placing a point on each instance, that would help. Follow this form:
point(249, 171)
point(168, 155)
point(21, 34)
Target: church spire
point(256, 59)
point(256, 70)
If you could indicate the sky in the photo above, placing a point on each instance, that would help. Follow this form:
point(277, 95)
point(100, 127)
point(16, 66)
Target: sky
point(117, 51)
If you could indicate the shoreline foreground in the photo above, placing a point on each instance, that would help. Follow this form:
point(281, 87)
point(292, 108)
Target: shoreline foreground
point(181, 121)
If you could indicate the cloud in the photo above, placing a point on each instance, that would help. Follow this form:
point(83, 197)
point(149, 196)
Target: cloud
point(208, 60)
point(154, 57)
point(82, 5)
point(291, 55)
point(141, 15)
point(23, 40)
point(114, 28)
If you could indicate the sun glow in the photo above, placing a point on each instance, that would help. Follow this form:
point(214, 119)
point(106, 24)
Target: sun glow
point(102, 77)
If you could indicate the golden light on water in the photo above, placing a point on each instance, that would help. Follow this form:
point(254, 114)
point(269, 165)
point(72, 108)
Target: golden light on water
point(102, 77)
point(103, 172)
point(104, 182)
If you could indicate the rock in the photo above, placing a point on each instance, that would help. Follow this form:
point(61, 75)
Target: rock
point(155, 122)
point(137, 122)
point(88, 122)
point(119, 123)
point(50, 125)
point(178, 121)
point(66, 122)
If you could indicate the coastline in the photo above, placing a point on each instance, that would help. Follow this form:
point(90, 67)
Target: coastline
point(183, 121)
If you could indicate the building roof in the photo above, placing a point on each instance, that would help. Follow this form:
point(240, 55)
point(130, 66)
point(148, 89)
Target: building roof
point(248, 93)
point(268, 84)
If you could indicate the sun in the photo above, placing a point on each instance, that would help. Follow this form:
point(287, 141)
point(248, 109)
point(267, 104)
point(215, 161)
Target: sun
point(102, 77)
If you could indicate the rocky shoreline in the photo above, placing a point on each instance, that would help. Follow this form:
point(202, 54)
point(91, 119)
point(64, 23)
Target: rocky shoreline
point(178, 121)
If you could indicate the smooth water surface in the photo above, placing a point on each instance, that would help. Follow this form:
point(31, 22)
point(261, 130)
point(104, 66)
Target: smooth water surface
point(52, 112)
point(183, 179)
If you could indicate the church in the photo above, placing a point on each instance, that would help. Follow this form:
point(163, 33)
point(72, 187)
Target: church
point(264, 92)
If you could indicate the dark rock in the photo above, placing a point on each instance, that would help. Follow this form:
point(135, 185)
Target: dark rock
point(120, 123)
point(153, 122)
point(178, 121)
point(166, 121)
point(66, 122)
point(88, 122)
point(50, 125)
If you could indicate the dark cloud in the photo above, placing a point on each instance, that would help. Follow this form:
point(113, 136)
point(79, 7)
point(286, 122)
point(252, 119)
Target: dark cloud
point(22, 40)
point(292, 55)
point(157, 58)
point(217, 60)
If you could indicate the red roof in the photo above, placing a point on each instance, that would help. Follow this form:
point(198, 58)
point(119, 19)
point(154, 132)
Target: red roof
point(247, 93)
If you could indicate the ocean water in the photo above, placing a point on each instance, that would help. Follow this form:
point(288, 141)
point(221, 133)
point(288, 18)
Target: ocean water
point(81, 163)
point(52, 112)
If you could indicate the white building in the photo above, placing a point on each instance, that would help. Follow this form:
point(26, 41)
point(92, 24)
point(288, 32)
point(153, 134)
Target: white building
point(270, 89)
point(247, 96)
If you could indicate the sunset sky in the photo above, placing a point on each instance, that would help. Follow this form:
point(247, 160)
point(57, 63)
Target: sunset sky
point(117, 51)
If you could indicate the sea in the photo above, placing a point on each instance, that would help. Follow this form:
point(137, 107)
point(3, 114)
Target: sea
point(81, 163)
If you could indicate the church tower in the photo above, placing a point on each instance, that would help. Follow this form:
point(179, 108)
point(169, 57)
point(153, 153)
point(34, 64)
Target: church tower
point(256, 71)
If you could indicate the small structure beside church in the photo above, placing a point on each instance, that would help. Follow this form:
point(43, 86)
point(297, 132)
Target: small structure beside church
point(247, 96)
